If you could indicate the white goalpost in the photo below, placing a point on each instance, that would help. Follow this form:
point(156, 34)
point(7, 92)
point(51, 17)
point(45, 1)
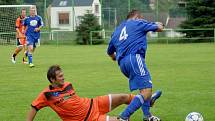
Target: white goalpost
point(8, 16)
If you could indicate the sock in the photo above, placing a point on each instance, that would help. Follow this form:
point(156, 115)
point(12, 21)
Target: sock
point(14, 55)
point(135, 104)
point(146, 108)
point(16, 52)
point(30, 58)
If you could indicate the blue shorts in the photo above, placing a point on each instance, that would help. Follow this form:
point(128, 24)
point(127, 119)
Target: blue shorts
point(31, 41)
point(134, 67)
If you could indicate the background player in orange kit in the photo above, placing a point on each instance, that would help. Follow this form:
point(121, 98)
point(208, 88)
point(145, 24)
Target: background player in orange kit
point(20, 37)
point(62, 98)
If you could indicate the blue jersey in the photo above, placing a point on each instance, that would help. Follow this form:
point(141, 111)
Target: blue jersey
point(130, 38)
point(32, 23)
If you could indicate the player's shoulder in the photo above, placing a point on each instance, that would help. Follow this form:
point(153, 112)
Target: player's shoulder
point(18, 18)
point(47, 89)
point(67, 85)
point(27, 17)
point(121, 25)
point(143, 21)
point(38, 16)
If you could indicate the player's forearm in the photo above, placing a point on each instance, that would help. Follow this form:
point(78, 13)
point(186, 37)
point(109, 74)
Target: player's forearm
point(32, 113)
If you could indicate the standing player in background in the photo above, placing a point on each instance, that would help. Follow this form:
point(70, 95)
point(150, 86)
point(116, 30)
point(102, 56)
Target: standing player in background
point(33, 23)
point(128, 46)
point(20, 37)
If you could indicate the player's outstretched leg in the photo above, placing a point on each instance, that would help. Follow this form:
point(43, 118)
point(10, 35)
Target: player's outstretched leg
point(119, 99)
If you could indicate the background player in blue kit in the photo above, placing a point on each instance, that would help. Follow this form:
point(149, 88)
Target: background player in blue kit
point(34, 23)
point(128, 46)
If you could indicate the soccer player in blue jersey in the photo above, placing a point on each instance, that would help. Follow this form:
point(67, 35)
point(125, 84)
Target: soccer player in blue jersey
point(33, 23)
point(128, 46)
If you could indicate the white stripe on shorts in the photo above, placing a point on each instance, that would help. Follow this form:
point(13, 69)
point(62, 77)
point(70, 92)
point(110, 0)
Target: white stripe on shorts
point(107, 118)
point(110, 102)
point(140, 65)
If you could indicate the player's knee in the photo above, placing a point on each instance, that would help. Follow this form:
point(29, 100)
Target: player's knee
point(146, 93)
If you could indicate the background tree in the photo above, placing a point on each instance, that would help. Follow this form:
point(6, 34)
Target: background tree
point(201, 14)
point(8, 2)
point(89, 23)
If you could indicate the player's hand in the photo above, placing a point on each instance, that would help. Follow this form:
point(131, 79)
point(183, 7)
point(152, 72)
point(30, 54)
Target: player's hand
point(160, 26)
point(21, 35)
point(159, 23)
point(37, 29)
point(113, 57)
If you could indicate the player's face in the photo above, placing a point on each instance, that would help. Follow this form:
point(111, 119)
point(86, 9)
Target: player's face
point(139, 16)
point(23, 13)
point(32, 12)
point(59, 81)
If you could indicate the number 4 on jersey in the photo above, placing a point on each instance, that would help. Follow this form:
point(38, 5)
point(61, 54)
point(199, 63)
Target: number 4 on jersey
point(123, 34)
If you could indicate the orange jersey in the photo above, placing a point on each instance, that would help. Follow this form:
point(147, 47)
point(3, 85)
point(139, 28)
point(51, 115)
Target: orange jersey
point(69, 106)
point(20, 26)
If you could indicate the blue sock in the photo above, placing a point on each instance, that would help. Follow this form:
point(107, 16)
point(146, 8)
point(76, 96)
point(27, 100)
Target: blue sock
point(30, 58)
point(135, 104)
point(146, 108)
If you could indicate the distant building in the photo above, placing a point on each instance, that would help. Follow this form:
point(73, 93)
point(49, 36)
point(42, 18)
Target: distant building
point(66, 14)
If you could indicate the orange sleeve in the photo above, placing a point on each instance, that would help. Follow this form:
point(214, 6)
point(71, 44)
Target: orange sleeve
point(39, 102)
point(18, 22)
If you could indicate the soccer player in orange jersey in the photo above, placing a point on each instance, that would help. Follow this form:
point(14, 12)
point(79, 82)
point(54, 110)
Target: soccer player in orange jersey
point(20, 37)
point(62, 98)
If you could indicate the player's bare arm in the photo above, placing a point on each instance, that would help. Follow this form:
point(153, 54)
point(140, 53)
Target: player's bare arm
point(32, 113)
point(38, 29)
point(19, 33)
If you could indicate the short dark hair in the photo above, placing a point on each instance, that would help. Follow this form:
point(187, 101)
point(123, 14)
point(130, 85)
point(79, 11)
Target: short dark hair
point(23, 9)
point(132, 13)
point(51, 74)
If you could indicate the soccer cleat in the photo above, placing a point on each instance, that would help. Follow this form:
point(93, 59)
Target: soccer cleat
point(31, 65)
point(24, 60)
point(154, 97)
point(122, 119)
point(152, 118)
point(13, 60)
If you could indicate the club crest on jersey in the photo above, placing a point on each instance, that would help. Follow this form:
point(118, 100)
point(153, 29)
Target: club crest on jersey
point(56, 94)
point(33, 22)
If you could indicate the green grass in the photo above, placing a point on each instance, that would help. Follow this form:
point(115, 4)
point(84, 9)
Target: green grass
point(184, 72)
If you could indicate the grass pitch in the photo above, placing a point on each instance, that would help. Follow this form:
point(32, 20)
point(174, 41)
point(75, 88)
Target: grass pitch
point(184, 72)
